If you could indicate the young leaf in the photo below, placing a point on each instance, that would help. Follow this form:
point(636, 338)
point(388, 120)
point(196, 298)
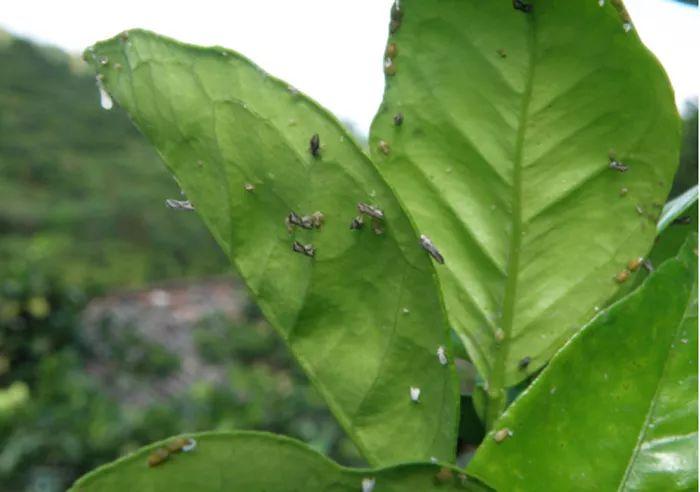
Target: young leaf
point(535, 147)
point(616, 409)
point(256, 461)
point(676, 208)
point(359, 309)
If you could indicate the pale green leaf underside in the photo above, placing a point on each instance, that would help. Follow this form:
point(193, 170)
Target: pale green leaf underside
point(255, 461)
point(363, 317)
point(616, 409)
point(502, 159)
point(676, 207)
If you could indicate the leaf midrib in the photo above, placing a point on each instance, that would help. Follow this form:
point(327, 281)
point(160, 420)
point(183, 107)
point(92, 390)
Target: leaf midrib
point(510, 292)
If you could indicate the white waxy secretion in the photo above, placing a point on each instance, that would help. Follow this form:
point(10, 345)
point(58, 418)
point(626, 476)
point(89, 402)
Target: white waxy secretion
point(368, 484)
point(191, 444)
point(442, 357)
point(105, 98)
point(415, 394)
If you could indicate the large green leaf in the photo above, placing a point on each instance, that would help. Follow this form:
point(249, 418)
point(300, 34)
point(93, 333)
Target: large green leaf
point(616, 409)
point(254, 461)
point(508, 124)
point(363, 316)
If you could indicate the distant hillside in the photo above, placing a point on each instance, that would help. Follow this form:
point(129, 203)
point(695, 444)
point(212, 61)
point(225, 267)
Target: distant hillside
point(81, 191)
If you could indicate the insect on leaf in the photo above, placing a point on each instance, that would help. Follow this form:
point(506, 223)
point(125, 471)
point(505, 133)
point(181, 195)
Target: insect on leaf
point(535, 149)
point(616, 408)
point(249, 152)
point(259, 461)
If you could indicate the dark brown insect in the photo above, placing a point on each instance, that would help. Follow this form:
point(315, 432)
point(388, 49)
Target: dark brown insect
point(315, 145)
point(357, 223)
point(370, 210)
point(179, 205)
point(293, 219)
point(524, 362)
point(396, 12)
point(398, 119)
point(685, 220)
point(392, 50)
point(305, 249)
point(618, 166)
point(431, 249)
point(522, 6)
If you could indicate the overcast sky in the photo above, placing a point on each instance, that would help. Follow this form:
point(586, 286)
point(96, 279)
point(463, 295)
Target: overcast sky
point(330, 49)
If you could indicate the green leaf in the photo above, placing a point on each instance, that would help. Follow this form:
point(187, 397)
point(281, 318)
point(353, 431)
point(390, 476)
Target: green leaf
point(502, 157)
point(363, 316)
point(680, 205)
point(616, 409)
point(256, 461)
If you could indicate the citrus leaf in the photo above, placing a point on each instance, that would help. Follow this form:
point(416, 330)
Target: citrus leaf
point(616, 408)
point(535, 149)
point(359, 309)
point(256, 461)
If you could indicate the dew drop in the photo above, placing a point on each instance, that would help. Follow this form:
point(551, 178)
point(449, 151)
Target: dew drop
point(405, 310)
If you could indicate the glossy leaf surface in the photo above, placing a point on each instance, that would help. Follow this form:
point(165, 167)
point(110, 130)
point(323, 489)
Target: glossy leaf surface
point(362, 313)
point(254, 461)
point(616, 408)
point(509, 124)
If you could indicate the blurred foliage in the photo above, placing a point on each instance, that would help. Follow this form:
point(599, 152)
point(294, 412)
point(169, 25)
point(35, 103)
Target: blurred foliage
point(79, 191)
point(57, 421)
point(687, 174)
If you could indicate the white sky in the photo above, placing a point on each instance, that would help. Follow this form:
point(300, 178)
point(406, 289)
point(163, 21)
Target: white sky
point(330, 49)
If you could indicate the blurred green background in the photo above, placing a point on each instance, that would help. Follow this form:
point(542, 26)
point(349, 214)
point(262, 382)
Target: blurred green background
point(101, 351)
point(120, 321)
